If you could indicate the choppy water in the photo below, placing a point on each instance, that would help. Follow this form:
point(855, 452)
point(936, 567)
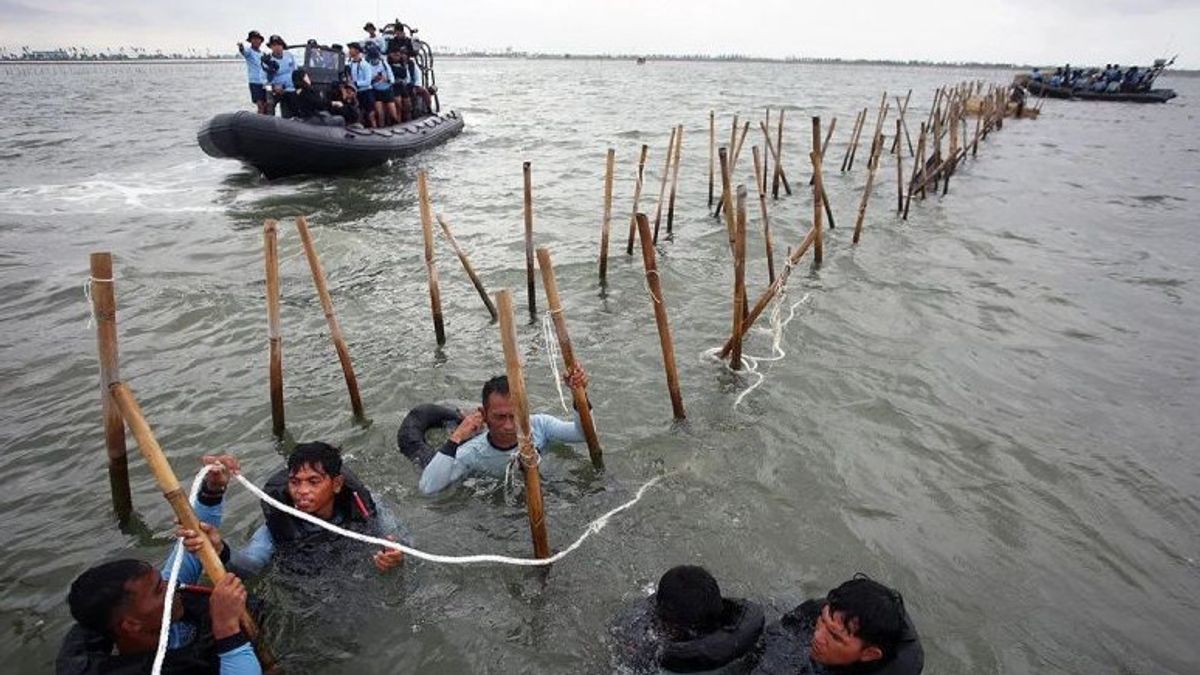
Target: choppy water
point(992, 406)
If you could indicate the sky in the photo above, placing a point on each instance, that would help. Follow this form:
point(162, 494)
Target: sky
point(1006, 31)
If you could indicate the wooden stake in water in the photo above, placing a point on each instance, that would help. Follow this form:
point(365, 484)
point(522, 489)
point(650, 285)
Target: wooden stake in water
point(335, 329)
point(778, 166)
point(528, 455)
point(899, 171)
point(178, 499)
point(660, 316)
point(859, 121)
point(274, 334)
point(902, 108)
point(767, 158)
point(637, 196)
point(872, 165)
point(737, 151)
point(774, 153)
point(609, 165)
point(917, 170)
point(818, 191)
point(726, 192)
point(435, 293)
point(525, 169)
point(712, 150)
point(466, 263)
point(662, 187)
point(760, 181)
point(739, 278)
point(104, 311)
point(579, 394)
point(765, 298)
point(674, 177)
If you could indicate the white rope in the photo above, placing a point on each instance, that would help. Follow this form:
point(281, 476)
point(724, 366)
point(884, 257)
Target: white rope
point(87, 294)
point(592, 528)
point(554, 353)
point(164, 631)
point(750, 363)
point(646, 285)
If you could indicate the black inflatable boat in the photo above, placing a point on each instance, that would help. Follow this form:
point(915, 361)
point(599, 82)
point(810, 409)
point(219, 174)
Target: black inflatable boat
point(283, 147)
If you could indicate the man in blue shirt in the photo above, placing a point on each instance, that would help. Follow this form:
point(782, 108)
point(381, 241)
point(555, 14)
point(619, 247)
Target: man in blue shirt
point(381, 85)
point(316, 483)
point(280, 66)
point(360, 74)
point(254, 71)
point(468, 452)
point(118, 608)
point(376, 38)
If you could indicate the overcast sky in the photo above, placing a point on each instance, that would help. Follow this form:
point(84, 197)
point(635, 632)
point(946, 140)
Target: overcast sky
point(1020, 31)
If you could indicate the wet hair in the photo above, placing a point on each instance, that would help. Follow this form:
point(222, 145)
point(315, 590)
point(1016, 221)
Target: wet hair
point(688, 597)
point(871, 611)
point(496, 385)
point(317, 455)
point(98, 596)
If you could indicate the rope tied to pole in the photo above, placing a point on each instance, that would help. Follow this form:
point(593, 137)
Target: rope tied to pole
point(87, 294)
point(553, 354)
point(646, 285)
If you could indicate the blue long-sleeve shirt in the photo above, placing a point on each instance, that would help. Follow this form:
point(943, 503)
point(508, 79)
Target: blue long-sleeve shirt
point(257, 553)
point(479, 457)
point(283, 76)
point(382, 70)
point(254, 68)
point(239, 660)
point(360, 74)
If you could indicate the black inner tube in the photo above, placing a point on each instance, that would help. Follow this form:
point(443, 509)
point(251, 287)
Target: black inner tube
point(411, 436)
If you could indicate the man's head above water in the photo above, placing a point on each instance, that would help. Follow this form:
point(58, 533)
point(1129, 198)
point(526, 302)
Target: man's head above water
point(861, 622)
point(499, 413)
point(122, 600)
point(688, 600)
point(315, 478)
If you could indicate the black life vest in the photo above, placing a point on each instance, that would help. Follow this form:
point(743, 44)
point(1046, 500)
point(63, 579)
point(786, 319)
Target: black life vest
point(644, 648)
point(786, 645)
point(304, 548)
point(87, 652)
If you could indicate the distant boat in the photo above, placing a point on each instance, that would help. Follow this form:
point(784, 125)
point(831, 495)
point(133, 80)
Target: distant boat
point(641, 60)
point(1141, 93)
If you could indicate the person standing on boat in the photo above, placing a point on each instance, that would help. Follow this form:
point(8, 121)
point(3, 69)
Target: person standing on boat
point(381, 84)
point(360, 73)
point(375, 38)
point(280, 65)
point(401, 89)
point(468, 452)
point(254, 71)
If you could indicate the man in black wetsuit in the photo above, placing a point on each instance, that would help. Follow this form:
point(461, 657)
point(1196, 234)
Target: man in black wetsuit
point(860, 627)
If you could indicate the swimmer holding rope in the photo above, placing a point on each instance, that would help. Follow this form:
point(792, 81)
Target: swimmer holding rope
point(468, 452)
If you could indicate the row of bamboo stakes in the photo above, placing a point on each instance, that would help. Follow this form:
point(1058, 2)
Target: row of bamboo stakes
point(947, 120)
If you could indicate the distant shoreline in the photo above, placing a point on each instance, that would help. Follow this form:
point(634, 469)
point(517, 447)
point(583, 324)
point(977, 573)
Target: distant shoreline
point(531, 56)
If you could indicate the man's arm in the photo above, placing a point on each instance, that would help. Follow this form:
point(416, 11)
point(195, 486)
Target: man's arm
point(254, 556)
point(209, 507)
point(443, 470)
point(237, 657)
point(548, 429)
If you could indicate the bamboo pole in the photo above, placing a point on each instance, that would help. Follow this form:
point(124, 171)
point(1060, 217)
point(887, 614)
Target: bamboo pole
point(818, 190)
point(760, 181)
point(637, 196)
point(712, 149)
point(528, 455)
point(466, 263)
point(774, 153)
point(824, 149)
point(975, 143)
point(778, 165)
point(899, 173)
point(726, 189)
point(582, 407)
point(767, 158)
point(859, 122)
point(606, 222)
point(902, 109)
point(674, 178)
point(872, 165)
point(662, 187)
point(529, 284)
point(274, 334)
point(335, 329)
point(765, 298)
point(435, 293)
point(104, 310)
point(660, 317)
point(884, 107)
point(737, 151)
point(917, 170)
point(178, 499)
point(739, 279)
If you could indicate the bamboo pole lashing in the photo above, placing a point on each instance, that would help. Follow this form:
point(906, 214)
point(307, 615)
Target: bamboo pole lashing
point(274, 333)
point(674, 178)
point(335, 329)
point(104, 311)
point(467, 267)
point(760, 182)
point(662, 188)
point(579, 394)
point(606, 221)
point(528, 455)
point(435, 293)
point(654, 285)
point(637, 197)
point(167, 482)
point(739, 279)
point(527, 173)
